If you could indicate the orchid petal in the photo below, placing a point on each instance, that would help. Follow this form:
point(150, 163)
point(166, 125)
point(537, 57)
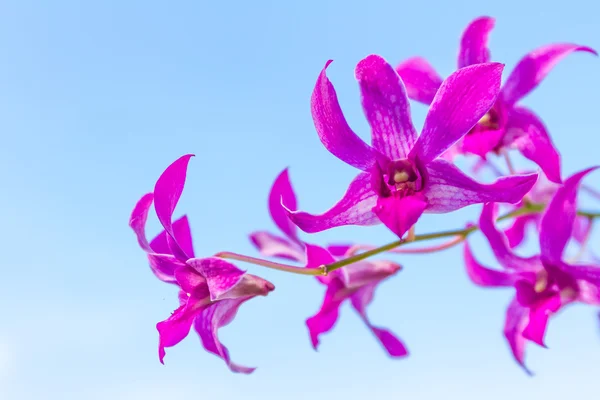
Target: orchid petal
point(221, 276)
point(316, 257)
point(461, 101)
point(534, 67)
point(282, 192)
point(167, 192)
point(164, 266)
point(499, 242)
point(339, 250)
point(473, 44)
point(333, 130)
point(324, 320)
point(355, 208)
point(363, 273)
point(386, 107)
point(420, 79)
point(183, 236)
point(588, 273)
point(208, 323)
point(138, 219)
point(557, 222)
point(582, 227)
point(483, 276)
point(360, 300)
point(516, 320)
point(271, 245)
point(398, 213)
point(516, 232)
point(527, 133)
point(538, 319)
point(449, 189)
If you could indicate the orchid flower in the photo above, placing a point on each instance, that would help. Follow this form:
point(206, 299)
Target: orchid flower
point(355, 282)
point(211, 289)
point(506, 124)
point(544, 283)
point(402, 176)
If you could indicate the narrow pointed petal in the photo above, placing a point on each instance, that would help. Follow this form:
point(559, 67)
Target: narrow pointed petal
point(183, 236)
point(167, 192)
point(208, 323)
point(534, 67)
point(557, 222)
point(271, 245)
point(420, 79)
point(526, 132)
point(588, 273)
point(283, 193)
point(516, 320)
point(483, 276)
point(449, 189)
point(499, 242)
point(399, 214)
point(516, 232)
point(538, 319)
point(138, 219)
point(355, 208)
point(324, 320)
point(360, 300)
point(474, 42)
point(333, 130)
point(386, 107)
point(221, 276)
point(462, 100)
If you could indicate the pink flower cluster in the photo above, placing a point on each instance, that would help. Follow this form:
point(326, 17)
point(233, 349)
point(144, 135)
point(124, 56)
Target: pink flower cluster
point(401, 175)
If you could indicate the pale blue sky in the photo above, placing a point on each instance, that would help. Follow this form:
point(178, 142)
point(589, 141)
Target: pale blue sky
point(97, 98)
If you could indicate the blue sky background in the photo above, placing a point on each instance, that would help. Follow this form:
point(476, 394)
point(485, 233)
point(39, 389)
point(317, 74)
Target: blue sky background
point(97, 98)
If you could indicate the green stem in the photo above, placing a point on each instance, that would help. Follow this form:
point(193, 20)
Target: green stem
point(272, 265)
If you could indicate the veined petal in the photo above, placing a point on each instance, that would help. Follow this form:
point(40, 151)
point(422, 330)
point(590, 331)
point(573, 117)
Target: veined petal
point(360, 300)
point(283, 193)
point(557, 222)
point(399, 213)
point(527, 133)
point(538, 319)
point(462, 100)
point(221, 276)
point(483, 276)
point(449, 189)
point(164, 266)
point(516, 232)
point(516, 320)
point(474, 42)
point(420, 79)
point(271, 245)
point(333, 130)
point(386, 107)
point(499, 243)
point(534, 67)
point(324, 320)
point(208, 323)
point(167, 192)
point(183, 236)
point(138, 219)
point(355, 208)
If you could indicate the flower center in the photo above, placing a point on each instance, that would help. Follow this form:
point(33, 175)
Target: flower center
point(490, 121)
point(402, 175)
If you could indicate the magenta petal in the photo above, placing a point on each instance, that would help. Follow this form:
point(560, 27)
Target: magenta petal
point(420, 79)
point(164, 266)
point(398, 213)
point(538, 319)
point(526, 132)
point(557, 222)
point(588, 273)
point(483, 276)
point(355, 208)
point(283, 193)
point(167, 192)
point(581, 229)
point(208, 323)
point(449, 189)
point(516, 232)
point(333, 130)
point(386, 107)
point(317, 256)
point(221, 276)
point(183, 236)
point(482, 141)
point(270, 245)
point(324, 320)
point(360, 300)
point(499, 243)
point(474, 42)
point(138, 219)
point(534, 67)
point(516, 320)
point(339, 250)
point(464, 97)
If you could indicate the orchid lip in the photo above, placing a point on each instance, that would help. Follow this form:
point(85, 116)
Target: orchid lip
point(403, 176)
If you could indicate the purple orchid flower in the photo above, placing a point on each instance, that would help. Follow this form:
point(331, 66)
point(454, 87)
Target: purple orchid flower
point(506, 125)
point(211, 289)
point(355, 282)
point(544, 283)
point(402, 176)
